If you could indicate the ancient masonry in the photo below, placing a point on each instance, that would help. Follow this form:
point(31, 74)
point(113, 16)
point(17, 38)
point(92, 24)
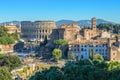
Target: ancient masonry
point(37, 31)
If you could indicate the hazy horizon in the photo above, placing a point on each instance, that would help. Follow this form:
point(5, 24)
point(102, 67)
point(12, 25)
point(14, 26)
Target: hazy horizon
point(58, 20)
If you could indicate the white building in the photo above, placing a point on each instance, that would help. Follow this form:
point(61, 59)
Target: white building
point(83, 50)
point(105, 34)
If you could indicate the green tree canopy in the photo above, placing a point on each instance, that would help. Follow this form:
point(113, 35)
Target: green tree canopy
point(6, 38)
point(5, 74)
point(57, 54)
point(115, 28)
point(98, 57)
point(72, 56)
point(81, 70)
point(3, 31)
point(60, 42)
point(15, 36)
point(9, 61)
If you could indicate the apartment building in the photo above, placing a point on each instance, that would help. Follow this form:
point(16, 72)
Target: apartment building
point(83, 49)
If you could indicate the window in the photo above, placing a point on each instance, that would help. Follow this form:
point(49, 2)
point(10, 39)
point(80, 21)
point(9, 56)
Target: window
point(46, 31)
point(74, 45)
point(105, 53)
point(103, 45)
point(96, 50)
point(40, 31)
point(102, 53)
point(81, 49)
point(74, 49)
point(42, 36)
point(106, 49)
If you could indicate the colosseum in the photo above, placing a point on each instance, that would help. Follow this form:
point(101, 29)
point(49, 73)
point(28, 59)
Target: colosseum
point(37, 31)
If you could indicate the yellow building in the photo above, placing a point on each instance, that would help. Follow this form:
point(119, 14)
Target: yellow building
point(12, 28)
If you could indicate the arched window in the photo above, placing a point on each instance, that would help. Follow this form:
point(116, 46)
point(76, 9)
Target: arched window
point(46, 31)
point(42, 36)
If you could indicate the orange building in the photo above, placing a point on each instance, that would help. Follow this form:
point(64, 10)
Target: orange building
point(69, 32)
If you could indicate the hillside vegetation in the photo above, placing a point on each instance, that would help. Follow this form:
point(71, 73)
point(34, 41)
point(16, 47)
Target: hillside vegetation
point(81, 70)
point(115, 28)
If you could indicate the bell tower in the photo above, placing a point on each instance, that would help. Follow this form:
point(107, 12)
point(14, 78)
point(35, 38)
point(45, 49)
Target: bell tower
point(94, 23)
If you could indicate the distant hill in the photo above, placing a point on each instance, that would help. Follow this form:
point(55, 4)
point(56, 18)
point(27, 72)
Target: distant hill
point(86, 23)
point(14, 22)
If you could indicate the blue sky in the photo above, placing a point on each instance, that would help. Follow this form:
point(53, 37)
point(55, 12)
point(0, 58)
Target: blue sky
point(59, 9)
